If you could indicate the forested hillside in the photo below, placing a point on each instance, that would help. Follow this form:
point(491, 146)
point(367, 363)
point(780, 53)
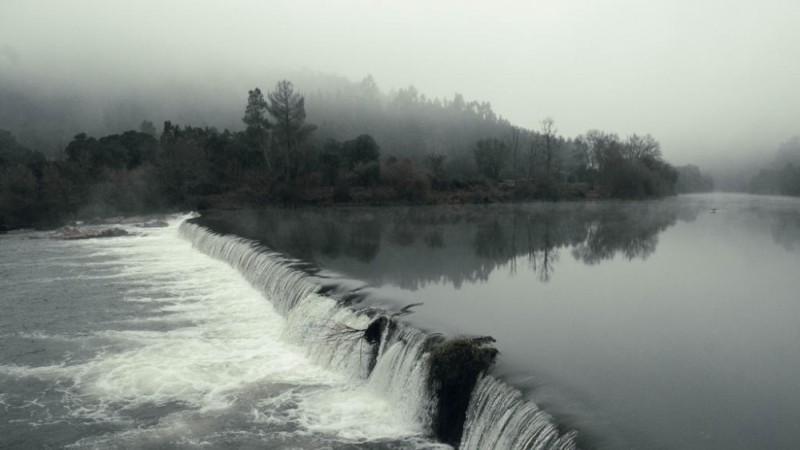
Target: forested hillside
point(334, 141)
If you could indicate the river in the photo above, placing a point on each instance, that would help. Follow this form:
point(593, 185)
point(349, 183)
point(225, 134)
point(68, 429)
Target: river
point(651, 325)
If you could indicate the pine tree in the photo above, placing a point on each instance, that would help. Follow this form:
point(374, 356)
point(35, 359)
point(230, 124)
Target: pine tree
point(255, 117)
point(287, 108)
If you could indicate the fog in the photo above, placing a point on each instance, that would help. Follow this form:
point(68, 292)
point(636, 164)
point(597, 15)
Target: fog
point(709, 81)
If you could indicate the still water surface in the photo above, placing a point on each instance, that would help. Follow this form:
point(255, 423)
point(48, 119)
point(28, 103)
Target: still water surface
point(651, 325)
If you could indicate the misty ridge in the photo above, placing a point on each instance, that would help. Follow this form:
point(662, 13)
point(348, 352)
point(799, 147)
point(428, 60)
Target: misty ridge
point(69, 153)
point(673, 110)
point(333, 141)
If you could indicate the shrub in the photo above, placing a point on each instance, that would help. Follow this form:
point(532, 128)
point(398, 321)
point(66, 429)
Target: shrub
point(341, 193)
point(408, 182)
point(366, 174)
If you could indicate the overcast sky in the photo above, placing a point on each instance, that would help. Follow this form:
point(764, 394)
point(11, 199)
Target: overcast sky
point(706, 78)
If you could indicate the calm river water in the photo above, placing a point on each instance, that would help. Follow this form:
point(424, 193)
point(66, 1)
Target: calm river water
point(651, 325)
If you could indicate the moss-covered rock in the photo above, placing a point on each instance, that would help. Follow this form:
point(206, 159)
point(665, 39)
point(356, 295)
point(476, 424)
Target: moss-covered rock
point(454, 368)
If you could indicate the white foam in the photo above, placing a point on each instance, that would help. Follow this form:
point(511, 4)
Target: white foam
point(333, 337)
point(499, 418)
point(225, 341)
point(351, 414)
point(400, 375)
point(323, 329)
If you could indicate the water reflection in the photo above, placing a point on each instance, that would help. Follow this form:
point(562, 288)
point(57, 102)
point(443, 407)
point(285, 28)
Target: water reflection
point(412, 246)
point(641, 355)
point(786, 229)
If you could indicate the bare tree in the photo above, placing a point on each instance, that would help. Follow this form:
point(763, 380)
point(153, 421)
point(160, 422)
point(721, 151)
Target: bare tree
point(642, 148)
point(533, 153)
point(491, 157)
point(549, 135)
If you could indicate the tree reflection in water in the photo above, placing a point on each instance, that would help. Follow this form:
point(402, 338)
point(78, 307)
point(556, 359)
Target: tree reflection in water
point(786, 229)
point(412, 246)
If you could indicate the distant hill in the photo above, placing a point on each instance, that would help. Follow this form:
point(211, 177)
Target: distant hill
point(96, 149)
point(405, 123)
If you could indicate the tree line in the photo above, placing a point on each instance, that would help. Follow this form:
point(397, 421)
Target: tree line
point(691, 179)
point(280, 158)
point(782, 177)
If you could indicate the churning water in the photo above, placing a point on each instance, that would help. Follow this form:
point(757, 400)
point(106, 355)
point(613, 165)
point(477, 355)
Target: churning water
point(144, 342)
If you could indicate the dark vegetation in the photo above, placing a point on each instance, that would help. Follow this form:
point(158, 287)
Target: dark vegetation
point(366, 148)
point(691, 179)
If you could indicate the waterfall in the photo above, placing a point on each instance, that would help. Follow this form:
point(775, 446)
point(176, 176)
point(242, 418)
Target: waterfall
point(325, 328)
point(401, 373)
point(499, 418)
point(395, 366)
point(268, 271)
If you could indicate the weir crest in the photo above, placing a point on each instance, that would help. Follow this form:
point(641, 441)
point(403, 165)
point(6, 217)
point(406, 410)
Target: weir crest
point(397, 365)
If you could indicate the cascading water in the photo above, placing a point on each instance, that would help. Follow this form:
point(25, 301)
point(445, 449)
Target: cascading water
point(498, 417)
point(142, 342)
point(265, 270)
point(397, 366)
point(324, 327)
point(401, 373)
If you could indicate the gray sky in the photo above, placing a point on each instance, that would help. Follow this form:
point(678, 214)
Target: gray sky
point(706, 78)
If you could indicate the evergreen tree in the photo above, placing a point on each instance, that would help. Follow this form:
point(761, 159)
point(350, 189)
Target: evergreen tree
point(255, 117)
point(287, 107)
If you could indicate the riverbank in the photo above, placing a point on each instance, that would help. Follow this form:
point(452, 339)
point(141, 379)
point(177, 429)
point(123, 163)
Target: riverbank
point(479, 192)
point(255, 195)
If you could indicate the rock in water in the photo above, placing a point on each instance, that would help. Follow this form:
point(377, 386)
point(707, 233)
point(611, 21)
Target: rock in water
point(454, 369)
point(154, 224)
point(74, 233)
